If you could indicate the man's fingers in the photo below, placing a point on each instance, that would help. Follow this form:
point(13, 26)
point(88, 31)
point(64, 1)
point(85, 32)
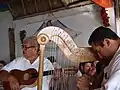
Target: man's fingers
point(17, 86)
point(14, 86)
point(82, 79)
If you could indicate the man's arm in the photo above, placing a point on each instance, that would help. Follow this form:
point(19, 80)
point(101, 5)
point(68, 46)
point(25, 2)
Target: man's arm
point(83, 82)
point(4, 75)
point(13, 82)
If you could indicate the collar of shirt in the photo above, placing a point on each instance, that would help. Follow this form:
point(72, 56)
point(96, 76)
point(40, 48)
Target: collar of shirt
point(111, 64)
point(37, 60)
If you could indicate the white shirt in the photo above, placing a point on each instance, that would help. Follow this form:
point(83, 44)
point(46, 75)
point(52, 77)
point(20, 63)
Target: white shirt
point(22, 63)
point(57, 66)
point(113, 74)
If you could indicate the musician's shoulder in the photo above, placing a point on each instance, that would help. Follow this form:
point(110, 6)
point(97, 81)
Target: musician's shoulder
point(48, 64)
point(45, 59)
point(18, 59)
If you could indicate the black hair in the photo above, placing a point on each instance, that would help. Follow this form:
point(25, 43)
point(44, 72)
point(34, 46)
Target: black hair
point(3, 62)
point(83, 64)
point(52, 59)
point(100, 33)
point(100, 67)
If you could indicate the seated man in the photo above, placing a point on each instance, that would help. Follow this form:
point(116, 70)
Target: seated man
point(91, 71)
point(64, 79)
point(54, 62)
point(2, 64)
point(30, 60)
point(88, 68)
point(69, 80)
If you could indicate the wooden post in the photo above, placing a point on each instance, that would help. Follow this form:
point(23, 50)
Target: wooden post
point(11, 43)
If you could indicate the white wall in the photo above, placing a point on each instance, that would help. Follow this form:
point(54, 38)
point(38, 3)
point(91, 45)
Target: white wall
point(82, 19)
point(118, 26)
point(5, 23)
point(79, 19)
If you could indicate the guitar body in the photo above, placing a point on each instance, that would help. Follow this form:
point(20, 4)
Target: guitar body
point(25, 78)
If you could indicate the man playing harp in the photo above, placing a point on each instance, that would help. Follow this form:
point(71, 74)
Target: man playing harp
point(106, 44)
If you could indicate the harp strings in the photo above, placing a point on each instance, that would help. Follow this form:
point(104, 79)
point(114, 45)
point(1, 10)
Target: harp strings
point(68, 47)
point(62, 75)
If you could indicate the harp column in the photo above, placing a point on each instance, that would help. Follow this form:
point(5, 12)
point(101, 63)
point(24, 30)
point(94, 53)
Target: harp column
point(42, 40)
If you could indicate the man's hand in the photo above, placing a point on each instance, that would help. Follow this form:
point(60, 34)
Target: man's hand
point(83, 82)
point(14, 84)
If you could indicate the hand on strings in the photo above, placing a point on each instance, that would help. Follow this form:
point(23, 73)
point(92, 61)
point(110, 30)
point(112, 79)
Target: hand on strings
point(83, 82)
point(57, 74)
point(13, 82)
point(70, 70)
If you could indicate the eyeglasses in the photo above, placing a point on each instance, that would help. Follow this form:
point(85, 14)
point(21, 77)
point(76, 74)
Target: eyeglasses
point(25, 48)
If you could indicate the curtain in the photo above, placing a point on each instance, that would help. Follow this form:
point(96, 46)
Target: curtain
point(104, 3)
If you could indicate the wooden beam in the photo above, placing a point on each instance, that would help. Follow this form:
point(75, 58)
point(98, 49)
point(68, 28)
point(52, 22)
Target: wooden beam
point(23, 7)
point(80, 4)
point(36, 6)
point(13, 14)
point(11, 43)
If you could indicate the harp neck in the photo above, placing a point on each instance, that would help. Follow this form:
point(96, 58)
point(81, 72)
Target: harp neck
point(66, 44)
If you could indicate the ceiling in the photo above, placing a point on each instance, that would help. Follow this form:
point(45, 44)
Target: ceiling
point(27, 8)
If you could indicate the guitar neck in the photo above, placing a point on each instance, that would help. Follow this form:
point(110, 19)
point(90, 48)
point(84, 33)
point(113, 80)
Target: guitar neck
point(45, 73)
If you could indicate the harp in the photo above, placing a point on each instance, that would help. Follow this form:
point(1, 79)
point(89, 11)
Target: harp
point(66, 44)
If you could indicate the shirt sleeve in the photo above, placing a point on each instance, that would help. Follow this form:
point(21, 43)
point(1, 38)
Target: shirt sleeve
point(113, 83)
point(47, 65)
point(102, 88)
point(46, 79)
point(10, 66)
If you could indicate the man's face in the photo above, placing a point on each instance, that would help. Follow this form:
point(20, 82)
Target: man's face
point(29, 51)
point(92, 70)
point(103, 52)
point(106, 49)
point(89, 68)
